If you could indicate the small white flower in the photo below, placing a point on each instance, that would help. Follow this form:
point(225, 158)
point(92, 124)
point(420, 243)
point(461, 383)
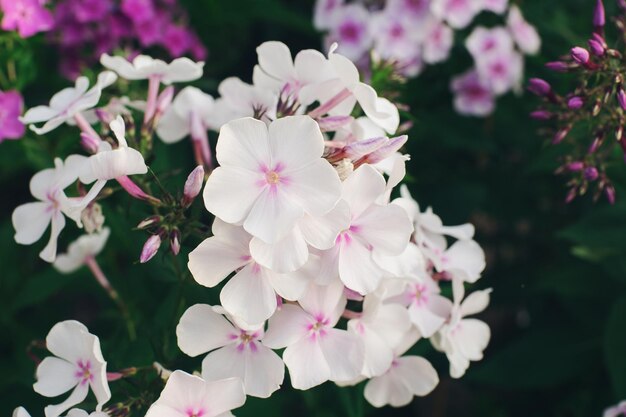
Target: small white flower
point(78, 365)
point(235, 352)
point(67, 103)
point(78, 251)
point(187, 395)
point(143, 67)
point(191, 109)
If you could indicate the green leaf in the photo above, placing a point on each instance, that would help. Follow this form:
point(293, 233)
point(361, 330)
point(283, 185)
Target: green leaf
point(615, 347)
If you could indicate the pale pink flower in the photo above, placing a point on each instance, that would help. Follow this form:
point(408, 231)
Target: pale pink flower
point(525, 35)
point(351, 30)
point(324, 13)
point(457, 13)
point(472, 96)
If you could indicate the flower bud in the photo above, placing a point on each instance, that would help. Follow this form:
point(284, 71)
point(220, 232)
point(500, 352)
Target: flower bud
point(175, 241)
point(580, 55)
point(193, 185)
point(333, 123)
point(576, 166)
point(150, 248)
point(597, 142)
point(539, 87)
point(575, 103)
point(89, 142)
point(596, 108)
point(591, 173)
point(558, 66)
point(149, 222)
point(598, 15)
point(105, 116)
point(609, 191)
point(541, 115)
point(619, 132)
point(595, 47)
point(561, 134)
point(621, 4)
point(571, 195)
point(165, 99)
point(621, 97)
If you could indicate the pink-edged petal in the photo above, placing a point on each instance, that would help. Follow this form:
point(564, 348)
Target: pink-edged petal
point(30, 222)
point(201, 330)
point(286, 255)
point(417, 374)
point(76, 397)
point(362, 188)
point(357, 269)
point(344, 353)
point(316, 187)
point(386, 228)
point(272, 216)
point(295, 141)
point(249, 296)
point(243, 143)
point(215, 258)
point(286, 326)
point(54, 377)
point(306, 363)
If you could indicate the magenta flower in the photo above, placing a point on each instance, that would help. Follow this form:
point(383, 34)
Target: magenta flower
point(139, 10)
point(27, 17)
point(177, 40)
point(11, 105)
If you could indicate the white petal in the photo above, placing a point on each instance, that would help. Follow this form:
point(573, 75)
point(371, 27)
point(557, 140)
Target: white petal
point(344, 353)
point(286, 326)
point(417, 374)
point(472, 338)
point(387, 389)
point(183, 70)
point(362, 188)
point(272, 216)
point(286, 255)
point(475, 302)
point(467, 259)
point(76, 397)
point(295, 141)
point(316, 187)
point(226, 362)
point(325, 300)
point(321, 232)
point(215, 258)
point(291, 286)
point(431, 316)
point(380, 110)
point(265, 372)
point(243, 143)
point(54, 377)
point(312, 67)
point(201, 330)
point(306, 363)
point(230, 193)
point(70, 340)
point(357, 269)
point(386, 228)
point(224, 395)
point(377, 355)
point(38, 114)
point(249, 296)
point(172, 128)
point(30, 221)
point(49, 253)
point(275, 60)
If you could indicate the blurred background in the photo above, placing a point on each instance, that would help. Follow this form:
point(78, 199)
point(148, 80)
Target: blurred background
point(558, 312)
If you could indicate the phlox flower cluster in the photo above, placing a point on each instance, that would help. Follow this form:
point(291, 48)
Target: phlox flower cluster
point(324, 262)
point(595, 106)
point(411, 34)
point(86, 29)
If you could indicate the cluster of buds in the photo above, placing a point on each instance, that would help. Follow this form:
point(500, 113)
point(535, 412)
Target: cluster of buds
point(596, 107)
point(167, 227)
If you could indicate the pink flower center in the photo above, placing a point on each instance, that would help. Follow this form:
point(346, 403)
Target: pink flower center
point(420, 294)
point(317, 328)
point(272, 178)
point(350, 32)
point(83, 372)
point(195, 412)
point(246, 339)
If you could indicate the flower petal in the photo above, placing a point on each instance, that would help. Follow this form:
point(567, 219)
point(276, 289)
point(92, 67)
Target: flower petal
point(201, 330)
point(249, 296)
point(30, 221)
point(286, 326)
point(306, 363)
point(344, 353)
point(54, 377)
point(215, 258)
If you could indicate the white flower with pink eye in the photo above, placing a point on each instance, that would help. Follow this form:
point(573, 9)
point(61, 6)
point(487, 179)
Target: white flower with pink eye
point(251, 294)
point(31, 220)
point(374, 229)
point(464, 260)
point(406, 377)
point(315, 350)
point(413, 8)
point(457, 13)
point(187, 395)
point(235, 352)
point(525, 35)
point(501, 72)
point(464, 340)
point(381, 327)
point(143, 67)
point(86, 246)
point(397, 35)
point(324, 13)
point(191, 109)
point(428, 309)
point(618, 410)
point(350, 28)
point(68, 104)
point(438, 41)
point(483, 43)
point(472, 96)
point(269, 178)
point(78, 365)
point(279, 73)
point(238, 99)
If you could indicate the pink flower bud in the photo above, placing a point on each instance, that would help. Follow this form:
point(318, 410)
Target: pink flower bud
point(193, 185)
point(392, 146)
point(575, 166)
point(558, 66)
point(580, 55)
point(361, 148)
point(541, 115)
point(621, 97)
point(560, 135)
point(134, 190)
point(571, 195)
point(175, 241)
point(165, 99)
point(333, 123)
point(575, 103)
point(149, 222)
point(591, 173)
point(104, 116)
point(539, 87)
point(598, 38)
point(598, 15)
point(596, 48)
point(89, 142)
point(609, 191)
point(150, 248)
